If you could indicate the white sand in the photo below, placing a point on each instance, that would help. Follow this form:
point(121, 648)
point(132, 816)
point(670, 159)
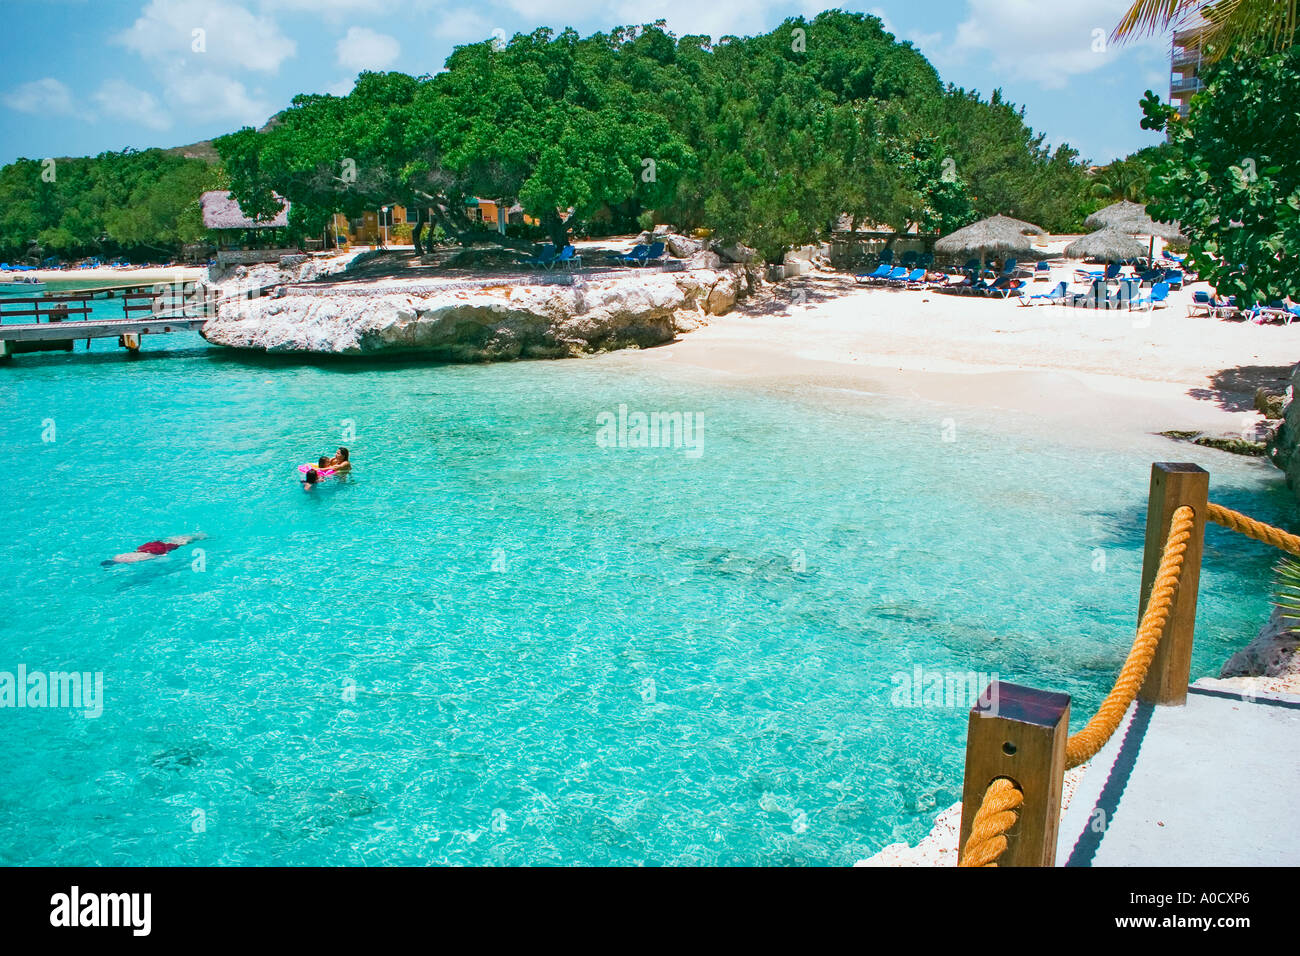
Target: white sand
point(118, 275)
point(1096, 370)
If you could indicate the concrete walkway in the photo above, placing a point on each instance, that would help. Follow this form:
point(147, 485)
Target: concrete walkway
point(1213, 783)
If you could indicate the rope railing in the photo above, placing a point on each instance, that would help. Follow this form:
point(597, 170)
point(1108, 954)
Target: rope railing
point(1004, 799)
point(1243, 524)
point(1082, 746)
point(996, 815)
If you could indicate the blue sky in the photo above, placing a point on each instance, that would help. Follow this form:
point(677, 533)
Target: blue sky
point(82, 76)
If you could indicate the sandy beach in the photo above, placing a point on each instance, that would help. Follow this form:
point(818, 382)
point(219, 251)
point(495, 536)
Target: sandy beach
point(1098, 371)
point(109, 274)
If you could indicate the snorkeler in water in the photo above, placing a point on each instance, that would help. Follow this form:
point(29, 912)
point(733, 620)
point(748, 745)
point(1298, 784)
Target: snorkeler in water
point(154, 549)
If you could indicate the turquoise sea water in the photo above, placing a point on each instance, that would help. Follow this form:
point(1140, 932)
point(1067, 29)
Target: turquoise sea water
point(503, 644)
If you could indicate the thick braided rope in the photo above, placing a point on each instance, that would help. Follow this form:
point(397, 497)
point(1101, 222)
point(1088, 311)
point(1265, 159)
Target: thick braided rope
point(1242, 524)
point(1084, 744)
point(996, 815)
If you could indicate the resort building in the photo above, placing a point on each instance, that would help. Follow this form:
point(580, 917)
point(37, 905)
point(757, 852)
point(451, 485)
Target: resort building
point(240, 239)
point(373, 227)
point(235, 230)
point(1185, 65)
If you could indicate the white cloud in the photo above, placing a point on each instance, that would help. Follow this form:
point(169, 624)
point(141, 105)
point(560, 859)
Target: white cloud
point(328, 8)
point(120, 100)
point(225, 34)
point(1023, 39)
point(45, 97)
point(364, 49)
point(465, 26)
point(204, 96)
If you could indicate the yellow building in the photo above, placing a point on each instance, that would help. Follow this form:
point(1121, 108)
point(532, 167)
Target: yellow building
point(368, 228)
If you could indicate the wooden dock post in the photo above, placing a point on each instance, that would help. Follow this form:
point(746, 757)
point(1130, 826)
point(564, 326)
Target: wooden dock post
point(1172, 486)
point(1019, 733)
point(130, 341)
point(6, 349)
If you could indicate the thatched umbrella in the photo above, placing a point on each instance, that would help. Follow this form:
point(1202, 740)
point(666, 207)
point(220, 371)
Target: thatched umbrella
point(1132, 218)
point(998, 235)
point(1109, 244)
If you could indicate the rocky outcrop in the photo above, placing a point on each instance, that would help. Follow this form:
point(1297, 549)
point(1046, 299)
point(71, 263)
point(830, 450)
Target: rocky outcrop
point(1284, 443)
point(1273, 652)
point(478, 324)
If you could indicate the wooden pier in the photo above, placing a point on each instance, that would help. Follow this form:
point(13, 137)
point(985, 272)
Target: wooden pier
point(60, 336)
point(60, 319)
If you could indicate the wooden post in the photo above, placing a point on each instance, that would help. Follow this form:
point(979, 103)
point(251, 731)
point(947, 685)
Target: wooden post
point(1172, 486)
point(6, 349)
point(130, 341)
point(1019, 733)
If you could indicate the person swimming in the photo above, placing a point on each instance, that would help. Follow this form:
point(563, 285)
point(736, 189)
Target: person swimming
point(340, 462)
point(311, 479)
point(154, 549)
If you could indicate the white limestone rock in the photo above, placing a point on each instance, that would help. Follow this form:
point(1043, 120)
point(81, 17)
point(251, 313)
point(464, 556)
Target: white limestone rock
point(481, 324)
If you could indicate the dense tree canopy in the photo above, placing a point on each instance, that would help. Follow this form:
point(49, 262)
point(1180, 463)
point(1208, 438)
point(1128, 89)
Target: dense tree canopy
point(766, 140)
point(1233, 174)
point(115, 202)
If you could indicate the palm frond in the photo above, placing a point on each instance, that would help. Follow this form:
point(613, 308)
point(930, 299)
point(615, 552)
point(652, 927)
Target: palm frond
point(1153, 16)
point(1286, 594)
point(1228, 24)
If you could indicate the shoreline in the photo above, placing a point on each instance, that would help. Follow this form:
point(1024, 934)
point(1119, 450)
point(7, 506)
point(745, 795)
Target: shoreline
point(1094, 372)
point(143, 274)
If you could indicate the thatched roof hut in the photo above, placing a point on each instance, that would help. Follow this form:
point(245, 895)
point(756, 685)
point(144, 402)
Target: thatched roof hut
point(221, 211)
point(1108, 244)
point(1132, 218)
point(996, 235)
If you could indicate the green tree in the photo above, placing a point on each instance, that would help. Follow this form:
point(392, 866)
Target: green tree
point(1233, 174)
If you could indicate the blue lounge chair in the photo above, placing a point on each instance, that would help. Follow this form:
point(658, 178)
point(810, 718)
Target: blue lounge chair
point(656, 252)
point(971, 267)
point(916, 278)
point(1174, 278)
point(1042, 271)
point(1008, 268)
point(1056, 296)
point(544, 257)
point(568, 257)
point(895, 274)
point(1126, 294)
point(1004, 287)
point(1159, 292)
point(908, 277)
point(1093, 298)
point(637, 256)
point(882, 270)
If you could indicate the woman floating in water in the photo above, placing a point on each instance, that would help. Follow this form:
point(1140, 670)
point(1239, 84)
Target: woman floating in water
point(339, 462)
point(154, 549)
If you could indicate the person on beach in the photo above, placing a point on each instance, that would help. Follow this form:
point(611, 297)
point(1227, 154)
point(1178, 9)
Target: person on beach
point(154, 549)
